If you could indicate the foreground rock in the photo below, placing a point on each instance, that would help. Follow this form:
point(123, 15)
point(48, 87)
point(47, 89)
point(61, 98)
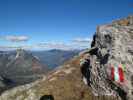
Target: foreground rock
point(112, 47)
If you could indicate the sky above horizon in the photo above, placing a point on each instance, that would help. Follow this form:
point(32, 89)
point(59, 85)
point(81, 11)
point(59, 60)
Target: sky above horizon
point(60, 24)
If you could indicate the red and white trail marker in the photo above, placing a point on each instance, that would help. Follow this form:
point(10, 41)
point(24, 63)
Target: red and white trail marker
point(117, 73)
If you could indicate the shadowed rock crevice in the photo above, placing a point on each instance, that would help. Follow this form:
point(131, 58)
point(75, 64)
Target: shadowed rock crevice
point(85, 70)
point(47, 97)
point(119, 90)
point(104, 59)
point(93, 41)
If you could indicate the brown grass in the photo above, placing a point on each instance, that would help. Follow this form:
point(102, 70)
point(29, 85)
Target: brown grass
point(69, 86)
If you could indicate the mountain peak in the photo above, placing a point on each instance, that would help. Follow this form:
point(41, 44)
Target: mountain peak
point(19, 52)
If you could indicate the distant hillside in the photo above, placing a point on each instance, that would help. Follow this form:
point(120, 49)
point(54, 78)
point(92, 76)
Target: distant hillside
point(53, 58)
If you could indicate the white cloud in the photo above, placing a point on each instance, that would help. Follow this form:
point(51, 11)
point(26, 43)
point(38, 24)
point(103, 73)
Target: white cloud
point(54, 45)
point(78, 43)
point(47, 46)
point(4, 48)
point(14, 38)
point(82, 40)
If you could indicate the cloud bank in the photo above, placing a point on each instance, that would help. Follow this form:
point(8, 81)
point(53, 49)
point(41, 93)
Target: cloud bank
point(15, 38)
point(77, 43)
point(82, 40)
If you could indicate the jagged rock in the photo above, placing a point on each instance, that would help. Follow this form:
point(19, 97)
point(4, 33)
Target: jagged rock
point(112, 45)
point(124, 22)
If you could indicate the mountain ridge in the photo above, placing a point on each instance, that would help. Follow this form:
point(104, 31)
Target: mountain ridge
point(18, 68)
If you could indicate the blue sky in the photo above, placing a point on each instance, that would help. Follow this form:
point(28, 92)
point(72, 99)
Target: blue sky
point(56, 23)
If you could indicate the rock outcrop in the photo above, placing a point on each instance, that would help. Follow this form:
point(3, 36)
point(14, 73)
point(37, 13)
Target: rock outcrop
point(88, 76)
point(112, 46)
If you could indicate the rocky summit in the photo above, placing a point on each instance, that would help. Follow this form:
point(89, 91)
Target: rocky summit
point(104, 72)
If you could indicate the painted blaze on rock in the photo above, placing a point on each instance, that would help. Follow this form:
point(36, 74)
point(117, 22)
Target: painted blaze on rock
point(117, 74)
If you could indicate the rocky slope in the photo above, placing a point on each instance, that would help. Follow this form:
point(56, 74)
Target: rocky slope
point(88, 76)
point(64, 83)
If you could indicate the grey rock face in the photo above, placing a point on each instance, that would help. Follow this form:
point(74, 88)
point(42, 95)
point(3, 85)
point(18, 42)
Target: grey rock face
point(112, 46)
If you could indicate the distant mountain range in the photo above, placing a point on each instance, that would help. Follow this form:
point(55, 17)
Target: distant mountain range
point(55, 57)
